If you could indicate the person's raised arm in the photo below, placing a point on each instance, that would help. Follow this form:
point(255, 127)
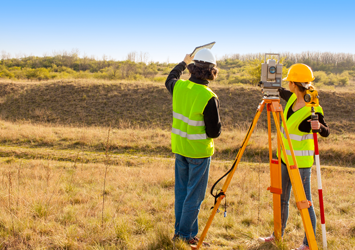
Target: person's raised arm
point(285, 94)
point(175, 74)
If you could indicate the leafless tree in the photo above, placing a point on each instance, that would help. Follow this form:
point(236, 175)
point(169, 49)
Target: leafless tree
point(5, 55)
point(132, 56)
point(316, 57)
point(83, 65)
point(143, 57)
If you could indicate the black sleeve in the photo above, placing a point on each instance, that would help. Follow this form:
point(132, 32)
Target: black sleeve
point(212, 119)
point(305, 126)
point(174, 76)
point(285, 94)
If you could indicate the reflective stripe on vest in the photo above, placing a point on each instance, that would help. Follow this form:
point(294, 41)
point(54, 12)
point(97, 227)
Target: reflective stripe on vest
point(189, 136)
point(301, 152)
point(297, 137)
point(187, 120)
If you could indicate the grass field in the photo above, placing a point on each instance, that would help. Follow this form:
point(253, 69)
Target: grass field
point(66, 184)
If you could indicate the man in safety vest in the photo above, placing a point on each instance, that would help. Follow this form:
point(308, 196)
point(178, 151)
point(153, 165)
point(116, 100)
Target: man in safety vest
point(300, 126)
point(195, 122)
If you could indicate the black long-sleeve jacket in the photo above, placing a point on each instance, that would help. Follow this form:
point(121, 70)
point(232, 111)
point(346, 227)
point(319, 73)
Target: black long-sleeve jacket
point(305, 125)
point(211, 112)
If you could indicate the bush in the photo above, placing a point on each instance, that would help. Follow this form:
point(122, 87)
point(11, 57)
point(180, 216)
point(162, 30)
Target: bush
point(240, 79)
point(166, 71)
point(159, 79)
point(6, 73)
point(82, 75)
point(150, 70)
point(343, 79)
point(331, 79)
point(320, 77)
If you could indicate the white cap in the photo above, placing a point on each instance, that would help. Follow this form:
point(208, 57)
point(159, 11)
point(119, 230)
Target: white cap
point(306, 85)
point(205, 55)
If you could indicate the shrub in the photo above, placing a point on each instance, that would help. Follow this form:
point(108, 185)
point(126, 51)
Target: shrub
point(343, 81)
point(166, 71)
point(240, 79)
point(332, 79)
point(159, 79)
point(320, 77)
point(150, 70)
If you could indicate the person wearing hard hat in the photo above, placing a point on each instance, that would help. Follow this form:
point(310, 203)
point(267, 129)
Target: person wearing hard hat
point(195, 122)
point(300, 126)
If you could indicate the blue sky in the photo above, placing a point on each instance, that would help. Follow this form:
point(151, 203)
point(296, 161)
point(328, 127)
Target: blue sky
point(167, 30)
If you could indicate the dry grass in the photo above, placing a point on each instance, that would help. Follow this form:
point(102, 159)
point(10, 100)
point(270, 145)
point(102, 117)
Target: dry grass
point(142, 104)
point(53, 169)
point(61, 143)
point(58, 205)
point(52, 198)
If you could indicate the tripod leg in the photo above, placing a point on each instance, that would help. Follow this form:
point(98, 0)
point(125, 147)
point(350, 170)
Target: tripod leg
point(279, 174)
point(276, 187)
point(296, 182)
point(230, 175)
point(269, 131)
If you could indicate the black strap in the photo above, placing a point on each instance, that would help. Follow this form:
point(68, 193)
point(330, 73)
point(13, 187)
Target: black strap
point(216, 197)
point(234, 164)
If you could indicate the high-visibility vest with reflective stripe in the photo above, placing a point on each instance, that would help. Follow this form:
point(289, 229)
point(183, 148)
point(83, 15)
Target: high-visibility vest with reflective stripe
point(188, 135)
point(302, 143)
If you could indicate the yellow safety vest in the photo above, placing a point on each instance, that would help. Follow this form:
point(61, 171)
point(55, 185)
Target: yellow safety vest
point(188, 134)
point(302, 143)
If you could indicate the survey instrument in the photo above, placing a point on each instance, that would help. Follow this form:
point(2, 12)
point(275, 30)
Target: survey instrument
point(271, 76)
point(311, 97)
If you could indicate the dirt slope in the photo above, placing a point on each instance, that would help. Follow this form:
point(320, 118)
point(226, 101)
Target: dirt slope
point(84, 103)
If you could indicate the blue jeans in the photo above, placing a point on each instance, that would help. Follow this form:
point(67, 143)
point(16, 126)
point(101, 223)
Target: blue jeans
point(191, 176)
point(286, 192)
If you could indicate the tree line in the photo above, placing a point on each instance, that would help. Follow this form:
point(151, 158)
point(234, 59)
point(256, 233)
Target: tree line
point(318, 61)
point(330, 68)
point(67, 65)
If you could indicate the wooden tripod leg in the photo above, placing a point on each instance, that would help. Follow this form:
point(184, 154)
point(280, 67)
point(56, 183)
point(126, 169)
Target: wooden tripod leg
point(230, 175)
point(297, 185)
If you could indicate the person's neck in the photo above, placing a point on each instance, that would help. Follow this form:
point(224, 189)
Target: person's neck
point(300, 103)
point(300, 99)
point(194, 79)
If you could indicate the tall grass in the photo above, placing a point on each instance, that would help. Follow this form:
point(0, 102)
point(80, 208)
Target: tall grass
point(59, 141)
point(139, 206)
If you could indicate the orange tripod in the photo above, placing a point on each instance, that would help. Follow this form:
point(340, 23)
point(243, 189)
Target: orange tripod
point(274, 107)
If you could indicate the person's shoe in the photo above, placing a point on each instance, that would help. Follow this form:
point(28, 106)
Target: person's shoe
point(266, 239)
point(303, 247)
point(176, 237)
point(194, 241)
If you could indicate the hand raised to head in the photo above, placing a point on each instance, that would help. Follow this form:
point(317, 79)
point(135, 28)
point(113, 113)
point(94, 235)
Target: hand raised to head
point(188, 59)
